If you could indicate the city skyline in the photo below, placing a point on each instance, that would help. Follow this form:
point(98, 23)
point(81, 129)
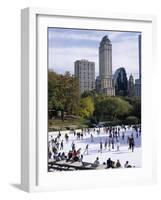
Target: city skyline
point(65, 46)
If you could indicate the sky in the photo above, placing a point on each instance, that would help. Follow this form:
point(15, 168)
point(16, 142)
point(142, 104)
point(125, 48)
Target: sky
point(65, 46)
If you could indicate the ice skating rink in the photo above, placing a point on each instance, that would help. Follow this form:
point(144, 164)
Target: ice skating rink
point(124, 154)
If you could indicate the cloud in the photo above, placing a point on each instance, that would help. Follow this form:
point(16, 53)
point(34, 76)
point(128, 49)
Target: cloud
point(63, 58)
point(68, 45)
point(73, 35)
point(70, 35)
point(125, 54)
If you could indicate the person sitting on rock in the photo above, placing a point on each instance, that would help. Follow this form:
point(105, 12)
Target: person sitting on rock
point(109, 163)
point(118, 164)
point(126, 165)
point(96, 162)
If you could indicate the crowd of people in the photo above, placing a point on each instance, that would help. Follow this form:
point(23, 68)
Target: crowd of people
point(115, 136)
point(112, 164)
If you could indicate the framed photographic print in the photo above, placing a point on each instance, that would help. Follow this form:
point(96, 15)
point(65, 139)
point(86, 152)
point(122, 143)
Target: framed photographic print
point(86, 81)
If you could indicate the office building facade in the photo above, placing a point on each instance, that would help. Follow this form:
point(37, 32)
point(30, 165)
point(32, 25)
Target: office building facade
point(85, 71)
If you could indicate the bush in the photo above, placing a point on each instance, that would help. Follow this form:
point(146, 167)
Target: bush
point(131, 120)
point(114, 123)
point(93, 120)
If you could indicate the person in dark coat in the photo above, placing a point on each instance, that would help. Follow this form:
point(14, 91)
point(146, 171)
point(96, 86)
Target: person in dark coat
point(73, 146)
point(81, 135)
point(101, 146)
point(61, 145)
point(118, 164)
point(132, 144)
point(86, 149)
point(69, 155)
point(109, 163)
point(123, 135)
point(112, 142)
point(106, 144)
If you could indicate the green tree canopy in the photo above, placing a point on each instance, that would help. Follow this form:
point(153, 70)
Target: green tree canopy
point(110, 108)
point(86, 107)
point(63, 92)
point(135, 102)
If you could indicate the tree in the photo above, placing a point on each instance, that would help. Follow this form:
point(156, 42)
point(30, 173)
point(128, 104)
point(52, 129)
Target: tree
point(111, 108)
point(86, 107)
point(123, 108)
point(135, 102)
point(91, 93)
point(63, 93)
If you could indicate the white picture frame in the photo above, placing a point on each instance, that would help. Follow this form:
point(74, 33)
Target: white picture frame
point(33, 174)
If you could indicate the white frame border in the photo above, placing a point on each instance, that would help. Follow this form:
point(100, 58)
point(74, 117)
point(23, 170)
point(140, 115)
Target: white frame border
point(29, 173)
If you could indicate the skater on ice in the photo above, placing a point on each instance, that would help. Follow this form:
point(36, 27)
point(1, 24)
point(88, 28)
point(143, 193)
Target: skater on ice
point(86, 149)
point(131, 143)
point(92, 138)
point(101, 146)
point(118, 144)
point(61, 145)
point(123, 135)
point(73, 146)
point(112, 142)
point(106, 144)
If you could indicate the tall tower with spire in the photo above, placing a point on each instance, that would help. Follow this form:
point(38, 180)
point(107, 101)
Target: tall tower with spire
point(138, 81)
point(131, 86)
point(139, 39)
point(105, 67)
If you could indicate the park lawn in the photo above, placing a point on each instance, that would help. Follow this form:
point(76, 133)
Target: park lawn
point(58, 124)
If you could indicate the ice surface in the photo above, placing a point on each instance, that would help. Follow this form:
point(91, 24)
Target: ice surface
point(123, 155)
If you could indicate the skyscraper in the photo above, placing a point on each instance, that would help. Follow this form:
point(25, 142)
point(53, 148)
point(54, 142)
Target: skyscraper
point(138, 81)
point(105, 67)
point(139, 56)
point(120, 82)
point(131, 86)
point(85, 71)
